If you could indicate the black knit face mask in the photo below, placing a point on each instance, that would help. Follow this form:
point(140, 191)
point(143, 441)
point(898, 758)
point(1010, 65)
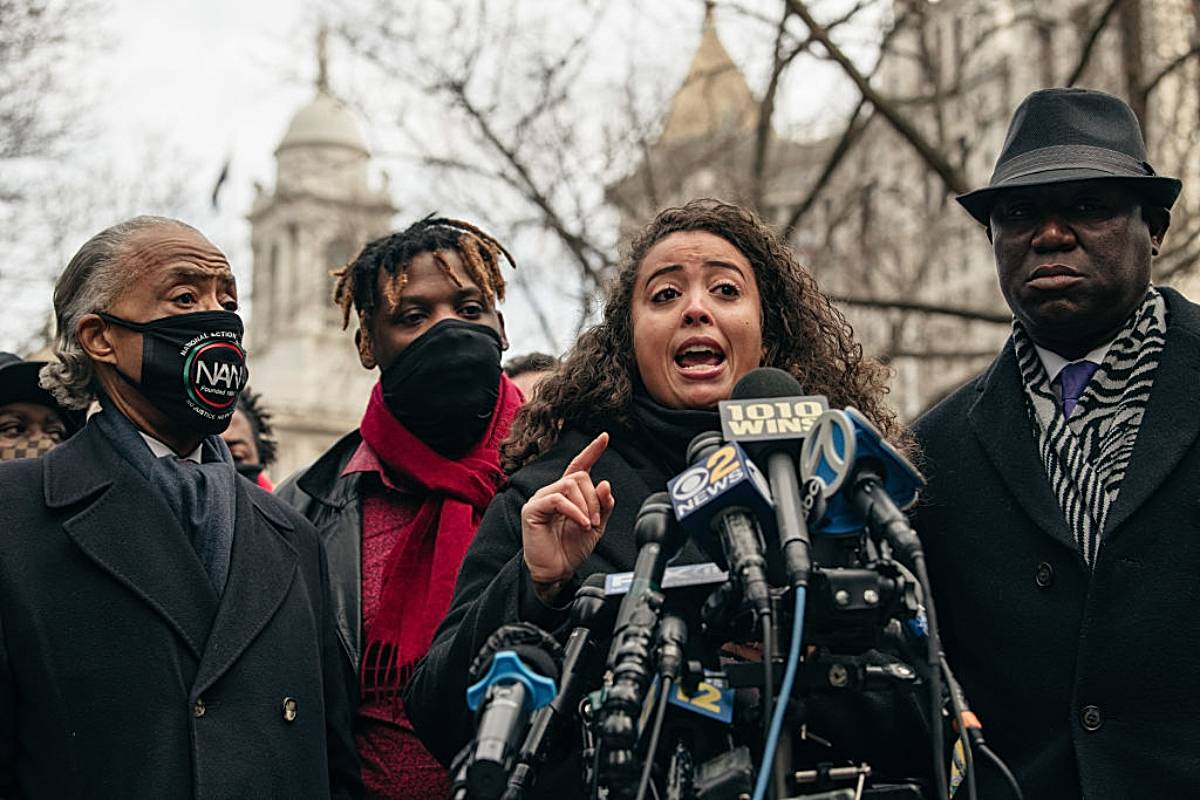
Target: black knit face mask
point(444, 386)
point(193, 367)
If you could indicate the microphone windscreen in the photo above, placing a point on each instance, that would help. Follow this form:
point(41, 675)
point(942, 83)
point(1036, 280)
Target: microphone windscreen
point(537, 659)
point(533, 645)
point(766, 382)
point(595, 581)
point(701, 442)
point(762, 383)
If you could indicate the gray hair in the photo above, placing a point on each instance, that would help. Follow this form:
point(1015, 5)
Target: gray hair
point(92, 282)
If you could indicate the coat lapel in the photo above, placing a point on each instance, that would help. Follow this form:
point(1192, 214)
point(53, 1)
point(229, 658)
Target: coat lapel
point(1172, 419)
point(127, 529)
point(1001, 422)
point(262, 567)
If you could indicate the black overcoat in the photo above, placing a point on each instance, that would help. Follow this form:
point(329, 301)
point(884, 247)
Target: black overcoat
point(124, 674)
point(1085, 680)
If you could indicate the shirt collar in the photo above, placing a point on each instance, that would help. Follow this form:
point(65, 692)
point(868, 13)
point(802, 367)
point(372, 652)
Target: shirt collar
point(365, 459)
point(1054, 363)
point(160, 450)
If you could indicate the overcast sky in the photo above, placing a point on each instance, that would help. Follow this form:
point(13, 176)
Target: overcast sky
point(171, 89)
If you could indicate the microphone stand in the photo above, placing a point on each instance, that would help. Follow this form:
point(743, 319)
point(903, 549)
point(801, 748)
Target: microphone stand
point(585, 610)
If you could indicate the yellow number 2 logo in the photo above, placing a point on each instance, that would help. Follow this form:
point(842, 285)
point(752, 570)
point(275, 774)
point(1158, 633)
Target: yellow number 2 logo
point(707, 697)
point(721, 463)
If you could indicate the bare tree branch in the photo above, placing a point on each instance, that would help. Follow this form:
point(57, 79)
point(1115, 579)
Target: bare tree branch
point(766, 111)
point(850, 135)
point(917, 306)
point(582, 250)
point(1169, 68)
point(954, 181)
point(1089, 44)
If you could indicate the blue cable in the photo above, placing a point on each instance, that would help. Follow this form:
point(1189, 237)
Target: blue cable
point(785, 691)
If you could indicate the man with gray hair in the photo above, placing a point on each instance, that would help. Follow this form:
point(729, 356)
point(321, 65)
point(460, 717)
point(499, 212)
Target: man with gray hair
point(165, 629)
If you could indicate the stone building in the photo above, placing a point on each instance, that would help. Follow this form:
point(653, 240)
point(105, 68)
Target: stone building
point(321, 211)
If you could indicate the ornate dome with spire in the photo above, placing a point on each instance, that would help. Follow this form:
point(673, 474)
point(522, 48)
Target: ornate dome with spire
point(325, 121)
point(321, 211)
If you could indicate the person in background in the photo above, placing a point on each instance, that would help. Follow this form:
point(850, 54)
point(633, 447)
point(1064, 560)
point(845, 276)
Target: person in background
point(165, 629)
point(1062, 521)
point(398, 500)
point(250, 439)
point(529, 370)
point(31, 420)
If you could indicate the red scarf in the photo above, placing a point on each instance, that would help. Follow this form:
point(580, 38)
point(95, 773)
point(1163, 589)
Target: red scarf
point(422, 567)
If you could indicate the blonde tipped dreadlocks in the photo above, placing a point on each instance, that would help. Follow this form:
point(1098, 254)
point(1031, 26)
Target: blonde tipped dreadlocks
point(357, 284)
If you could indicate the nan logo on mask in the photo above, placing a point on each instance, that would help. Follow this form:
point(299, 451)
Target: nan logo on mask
point(193, 366)
point(214, 373)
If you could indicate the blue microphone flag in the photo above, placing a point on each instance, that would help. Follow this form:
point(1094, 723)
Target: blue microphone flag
point(837, 444)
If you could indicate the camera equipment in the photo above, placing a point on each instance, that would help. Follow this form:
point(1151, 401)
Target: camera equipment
point(822, 564)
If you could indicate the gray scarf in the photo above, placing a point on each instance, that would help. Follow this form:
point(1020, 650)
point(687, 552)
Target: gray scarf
point(1085, 457)
point(203, 496)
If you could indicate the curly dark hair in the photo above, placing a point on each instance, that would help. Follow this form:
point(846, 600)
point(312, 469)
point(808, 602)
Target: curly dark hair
point(802, 333)
point(250, 404)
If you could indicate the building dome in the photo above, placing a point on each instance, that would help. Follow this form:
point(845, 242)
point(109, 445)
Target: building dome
point(324, 121)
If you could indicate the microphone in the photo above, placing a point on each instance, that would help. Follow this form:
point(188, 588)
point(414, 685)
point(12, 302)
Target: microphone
point(587, 610)
point(770, 415)
point(867, 481)
point(723, 493)
point(658, 540)
point(513, 674)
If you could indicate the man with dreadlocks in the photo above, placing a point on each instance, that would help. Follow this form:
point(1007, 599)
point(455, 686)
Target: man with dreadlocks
point(398, 500)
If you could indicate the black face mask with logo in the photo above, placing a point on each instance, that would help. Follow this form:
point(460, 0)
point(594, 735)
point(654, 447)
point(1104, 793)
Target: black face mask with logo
point(445, 385)
point(193, 367)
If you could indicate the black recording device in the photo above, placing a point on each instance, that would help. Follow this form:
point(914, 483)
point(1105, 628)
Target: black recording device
point(723, 497)
point(629, 659)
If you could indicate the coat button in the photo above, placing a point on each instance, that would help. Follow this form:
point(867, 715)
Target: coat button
point(289, 709)
point(1044, 575)
point(1090, 718)
point(198, 708)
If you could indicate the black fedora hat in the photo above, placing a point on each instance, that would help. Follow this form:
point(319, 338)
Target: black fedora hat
point(19, 384)
point(1060, 135)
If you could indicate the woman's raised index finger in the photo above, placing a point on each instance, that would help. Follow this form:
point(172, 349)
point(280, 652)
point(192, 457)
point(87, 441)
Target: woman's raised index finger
point(588, 456)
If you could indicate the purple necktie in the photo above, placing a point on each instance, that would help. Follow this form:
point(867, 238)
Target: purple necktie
point(1074, 379)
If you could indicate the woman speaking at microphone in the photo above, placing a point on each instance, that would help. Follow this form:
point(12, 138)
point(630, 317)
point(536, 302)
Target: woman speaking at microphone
point(707, 293)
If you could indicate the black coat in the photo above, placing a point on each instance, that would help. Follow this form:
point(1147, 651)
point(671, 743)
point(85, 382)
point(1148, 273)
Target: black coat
point(124, 674)
point(333, 503)
point(1086, 683)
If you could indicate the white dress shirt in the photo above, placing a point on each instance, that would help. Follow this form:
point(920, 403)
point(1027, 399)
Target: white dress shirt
point(160, 450)
point(1054, 363)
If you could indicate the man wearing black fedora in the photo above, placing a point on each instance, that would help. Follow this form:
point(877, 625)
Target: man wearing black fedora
point(1062, 520)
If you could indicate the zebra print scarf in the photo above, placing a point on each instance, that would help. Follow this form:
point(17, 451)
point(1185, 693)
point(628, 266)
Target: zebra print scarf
point(1085, 457)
